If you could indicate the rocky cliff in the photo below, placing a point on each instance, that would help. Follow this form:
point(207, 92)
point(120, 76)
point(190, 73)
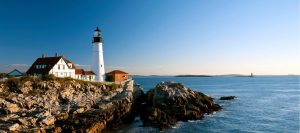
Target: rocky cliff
point(65, 105)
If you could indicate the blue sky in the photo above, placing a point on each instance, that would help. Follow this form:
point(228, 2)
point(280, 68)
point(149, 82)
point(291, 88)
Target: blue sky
point(164, 37)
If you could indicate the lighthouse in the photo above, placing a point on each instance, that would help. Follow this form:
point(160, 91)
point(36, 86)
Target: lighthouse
point(97, 59)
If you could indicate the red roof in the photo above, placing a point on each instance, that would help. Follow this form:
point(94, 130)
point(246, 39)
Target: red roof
point(82, 72)
point(117, 72)
point(89, 73)
point(79, 71)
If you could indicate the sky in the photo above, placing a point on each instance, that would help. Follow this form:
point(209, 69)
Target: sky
point(156, 37)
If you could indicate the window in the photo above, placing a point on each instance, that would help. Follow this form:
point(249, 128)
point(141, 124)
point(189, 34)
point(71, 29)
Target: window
point(63, 67)
point(58, 67)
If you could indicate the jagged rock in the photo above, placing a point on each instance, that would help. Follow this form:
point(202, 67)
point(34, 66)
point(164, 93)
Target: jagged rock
point(62, 116)
point(9, 116)
point(79, 110)
point(46, 104)
point(43, 114)
point(2, 88)
point(106, 106)
point(23, 121)
point(26, 87)
point(33, 121)
point(8, 107)
point(2, 131)
point(47, 121)
point(29, 102)
point(14, 127)
point(171, 101)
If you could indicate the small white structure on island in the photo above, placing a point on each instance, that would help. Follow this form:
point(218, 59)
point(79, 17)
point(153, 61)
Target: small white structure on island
point(59, 66)
point(97, 59)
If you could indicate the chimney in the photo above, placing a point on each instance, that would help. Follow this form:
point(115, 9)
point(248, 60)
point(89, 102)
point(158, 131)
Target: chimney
point(43, 56)
point(63, 55)
point(56, 55)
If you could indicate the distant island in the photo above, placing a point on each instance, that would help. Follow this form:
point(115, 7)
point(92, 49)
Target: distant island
point(194, 76)
point(228, 75)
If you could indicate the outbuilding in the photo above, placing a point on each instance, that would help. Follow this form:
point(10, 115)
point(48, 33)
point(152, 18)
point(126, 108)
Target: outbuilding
point(117, 76)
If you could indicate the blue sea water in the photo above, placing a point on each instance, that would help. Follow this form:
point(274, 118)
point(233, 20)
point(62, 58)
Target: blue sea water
point(264, 104)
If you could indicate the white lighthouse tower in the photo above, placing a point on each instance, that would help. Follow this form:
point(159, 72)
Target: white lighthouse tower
point(98, 61)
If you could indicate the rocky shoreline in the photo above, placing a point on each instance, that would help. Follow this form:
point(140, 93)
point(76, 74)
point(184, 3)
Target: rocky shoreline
point(76, 106)
point(170, 102)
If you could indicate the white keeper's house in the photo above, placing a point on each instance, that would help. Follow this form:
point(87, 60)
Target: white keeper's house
point(59, 66)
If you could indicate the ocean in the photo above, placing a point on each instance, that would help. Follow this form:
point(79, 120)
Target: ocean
point(264, 104)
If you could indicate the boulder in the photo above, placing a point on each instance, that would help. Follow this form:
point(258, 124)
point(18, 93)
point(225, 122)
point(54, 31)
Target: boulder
point(170, 102)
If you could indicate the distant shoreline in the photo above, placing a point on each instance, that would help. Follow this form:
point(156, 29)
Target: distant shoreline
point(194, 76)
point(226, 75)
point(230, 75)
